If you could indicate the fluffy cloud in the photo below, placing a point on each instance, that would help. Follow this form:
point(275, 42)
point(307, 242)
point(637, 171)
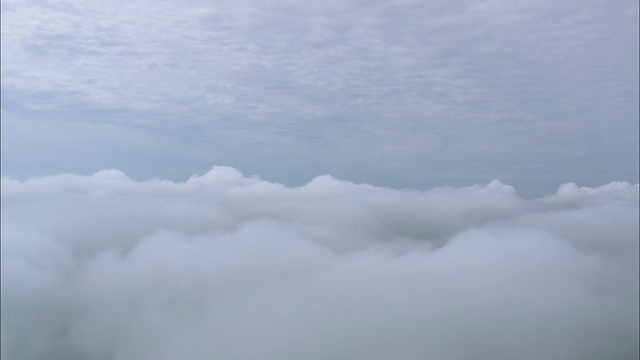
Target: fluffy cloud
point(232, 267)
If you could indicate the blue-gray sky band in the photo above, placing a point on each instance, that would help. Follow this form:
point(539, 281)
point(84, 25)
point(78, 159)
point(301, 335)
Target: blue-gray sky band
point(395, 93)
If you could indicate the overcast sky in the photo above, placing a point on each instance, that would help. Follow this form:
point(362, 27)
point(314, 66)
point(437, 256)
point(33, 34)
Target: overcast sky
point(394, 93)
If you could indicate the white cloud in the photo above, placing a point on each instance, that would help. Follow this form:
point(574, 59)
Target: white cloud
point(234, 267)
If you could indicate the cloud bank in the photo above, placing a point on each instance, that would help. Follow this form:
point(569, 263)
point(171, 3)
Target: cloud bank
point(226, 266)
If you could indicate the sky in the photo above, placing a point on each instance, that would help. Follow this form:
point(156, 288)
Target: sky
point(319, 180)
point(402, 94)
point(228, 266)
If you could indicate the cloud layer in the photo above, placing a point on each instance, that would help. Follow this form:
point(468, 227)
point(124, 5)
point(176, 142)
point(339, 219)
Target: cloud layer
point(542, 91)
point(232, 267)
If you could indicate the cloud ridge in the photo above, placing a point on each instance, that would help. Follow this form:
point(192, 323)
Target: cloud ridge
point(235, 267)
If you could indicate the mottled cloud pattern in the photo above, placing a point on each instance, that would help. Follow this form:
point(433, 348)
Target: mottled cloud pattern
point(391, 93)
point(226, 266)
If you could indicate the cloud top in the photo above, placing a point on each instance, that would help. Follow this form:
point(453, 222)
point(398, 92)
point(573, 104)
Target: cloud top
point(233, 267)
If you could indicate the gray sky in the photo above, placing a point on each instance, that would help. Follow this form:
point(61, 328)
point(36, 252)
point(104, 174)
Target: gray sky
point(394, 93)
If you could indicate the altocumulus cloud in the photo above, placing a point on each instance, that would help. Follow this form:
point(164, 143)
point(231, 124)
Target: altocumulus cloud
point(225, 266)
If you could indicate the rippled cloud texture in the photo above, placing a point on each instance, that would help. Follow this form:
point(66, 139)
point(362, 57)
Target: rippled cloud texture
point(402, 93)
point(225, 266)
